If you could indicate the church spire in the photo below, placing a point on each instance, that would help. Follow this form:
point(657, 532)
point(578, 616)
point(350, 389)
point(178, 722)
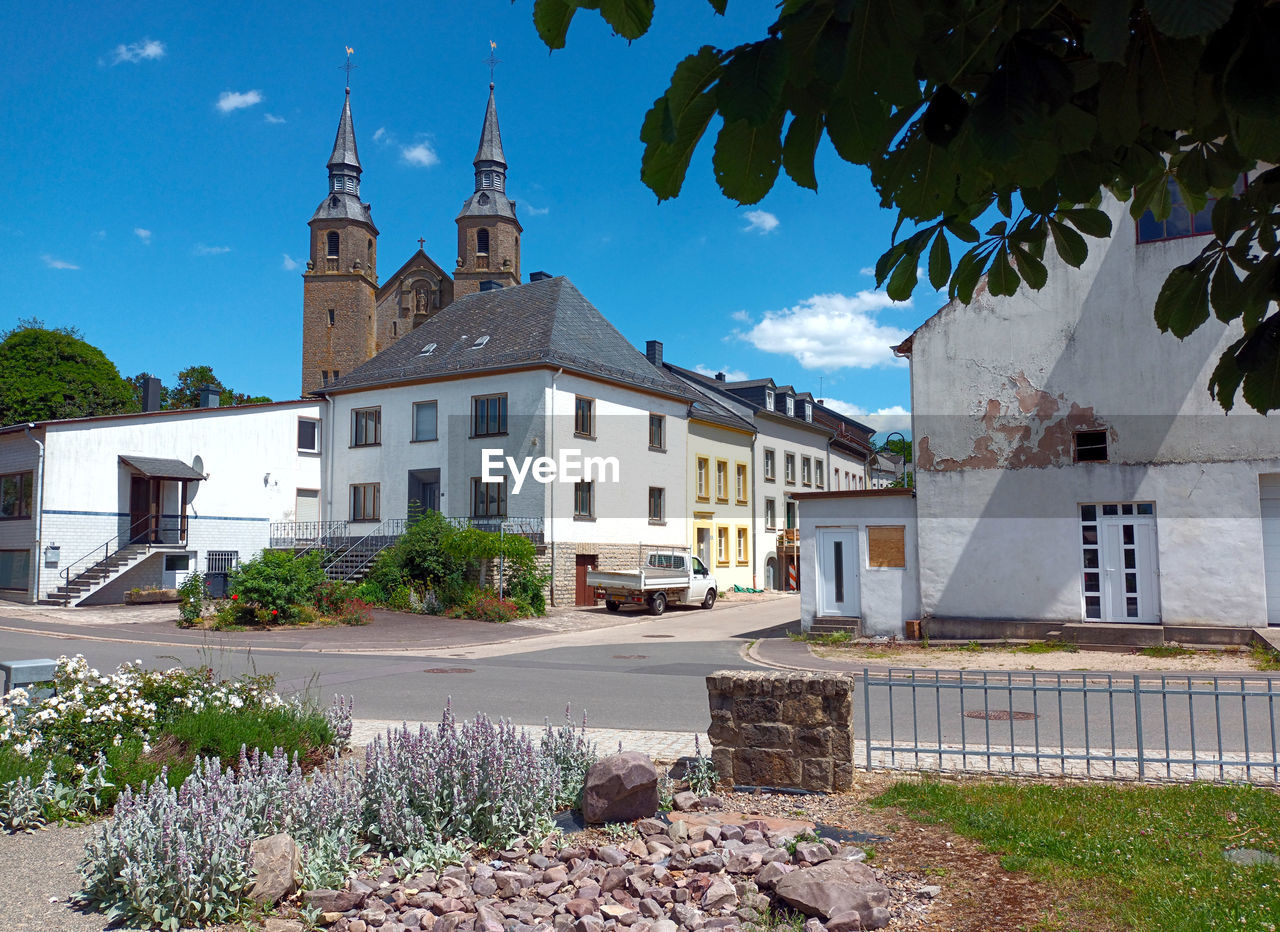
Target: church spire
point(344, 161)
point(490, 150)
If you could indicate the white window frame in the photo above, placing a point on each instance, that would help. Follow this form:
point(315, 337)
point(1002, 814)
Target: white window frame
point(315, 447)
point(435, 422)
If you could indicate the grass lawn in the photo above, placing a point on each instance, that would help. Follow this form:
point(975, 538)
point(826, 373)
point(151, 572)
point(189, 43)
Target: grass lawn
point(1145, 858)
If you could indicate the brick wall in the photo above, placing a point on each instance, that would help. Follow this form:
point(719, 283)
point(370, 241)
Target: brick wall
point(782, 729)
point(610, 558)
point(348, 290)
point(502, 262)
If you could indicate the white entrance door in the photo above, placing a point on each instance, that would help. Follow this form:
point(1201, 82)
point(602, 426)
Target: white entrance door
point(838, 572)
point(1120, 575)
point(1269, 489)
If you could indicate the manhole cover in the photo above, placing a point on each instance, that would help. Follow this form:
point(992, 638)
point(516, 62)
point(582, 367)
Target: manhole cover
point(630, 656)
point(658, 635)
point(1001, 715)
point(449, 670)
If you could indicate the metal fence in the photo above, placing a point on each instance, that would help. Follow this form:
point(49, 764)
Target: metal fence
point(1071, 724)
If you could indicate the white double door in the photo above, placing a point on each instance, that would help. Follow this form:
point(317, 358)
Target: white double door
point(838, 572)
point(1121, 579)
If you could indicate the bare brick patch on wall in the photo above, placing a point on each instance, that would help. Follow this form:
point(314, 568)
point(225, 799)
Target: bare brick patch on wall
point(782, 729)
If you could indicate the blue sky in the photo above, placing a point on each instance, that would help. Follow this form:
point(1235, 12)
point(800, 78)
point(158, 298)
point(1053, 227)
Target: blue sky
point(163, 161)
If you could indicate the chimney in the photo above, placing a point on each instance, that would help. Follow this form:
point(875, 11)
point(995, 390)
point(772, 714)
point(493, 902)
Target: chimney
point(540, 276)
point(151, 393)
point(490, 285)
point(720, 377)
point(653, 352)
point(210, 396)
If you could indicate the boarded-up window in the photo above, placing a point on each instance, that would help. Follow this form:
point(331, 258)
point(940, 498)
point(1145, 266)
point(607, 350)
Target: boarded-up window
point(887, 546)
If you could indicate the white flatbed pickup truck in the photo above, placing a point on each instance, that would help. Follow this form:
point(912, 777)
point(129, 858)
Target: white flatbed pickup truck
point(663, 579)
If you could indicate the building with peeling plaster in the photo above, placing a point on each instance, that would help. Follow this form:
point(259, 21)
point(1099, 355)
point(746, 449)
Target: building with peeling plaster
point(1071, 466)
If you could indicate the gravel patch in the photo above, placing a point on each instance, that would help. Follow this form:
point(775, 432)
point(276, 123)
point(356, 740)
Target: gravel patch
point(40, 873)
point(997, 658)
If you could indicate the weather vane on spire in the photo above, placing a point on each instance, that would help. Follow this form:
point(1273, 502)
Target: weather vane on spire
point(348, 66)
point(493, 60)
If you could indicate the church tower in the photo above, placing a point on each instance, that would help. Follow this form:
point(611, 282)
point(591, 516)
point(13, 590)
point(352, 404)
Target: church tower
point(488, 231)
point(339, 329)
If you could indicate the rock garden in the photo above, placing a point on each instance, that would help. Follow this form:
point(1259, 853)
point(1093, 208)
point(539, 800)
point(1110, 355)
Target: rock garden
point(221, 801)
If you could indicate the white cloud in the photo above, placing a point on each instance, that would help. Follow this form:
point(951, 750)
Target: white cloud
point(380, 134)
point(272, 118)
point(146, 50)
point(144, 235)
point(867, 270)
point(741, 316)
point(894, 417)
point(289, 263)
point(760, 221)
point(536, 211)
point(203, 250)
point(55, 263)
point(831, 331)
point(731, 375)
point(238, 100)
point(420, 154)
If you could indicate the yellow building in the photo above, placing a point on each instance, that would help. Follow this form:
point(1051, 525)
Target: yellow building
point(719, 495)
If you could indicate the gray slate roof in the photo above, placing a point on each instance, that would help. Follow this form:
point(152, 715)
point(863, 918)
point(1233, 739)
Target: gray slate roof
point(706, 405)
point(343, 206)
point(155, 468)
point(546, 322)
point(490, 149)
point(344, 144)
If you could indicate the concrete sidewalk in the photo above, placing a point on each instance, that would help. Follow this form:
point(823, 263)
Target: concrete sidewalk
point(664, 746)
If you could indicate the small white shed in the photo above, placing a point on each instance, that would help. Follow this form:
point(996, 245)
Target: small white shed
point(858, 559)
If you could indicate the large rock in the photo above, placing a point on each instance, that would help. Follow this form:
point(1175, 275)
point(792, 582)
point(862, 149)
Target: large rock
point(831, 888)
point(620, 788)
point(276, 862)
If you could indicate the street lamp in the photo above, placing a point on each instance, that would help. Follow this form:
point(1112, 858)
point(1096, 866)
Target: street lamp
point(885, 446)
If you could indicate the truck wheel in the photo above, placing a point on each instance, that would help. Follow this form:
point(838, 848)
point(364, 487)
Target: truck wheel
point(709, 599)
point(612, 605)
point(658, 603)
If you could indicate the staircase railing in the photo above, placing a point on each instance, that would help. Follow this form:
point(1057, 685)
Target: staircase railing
point(106, 550)
point(314, 535)
point(387, 531)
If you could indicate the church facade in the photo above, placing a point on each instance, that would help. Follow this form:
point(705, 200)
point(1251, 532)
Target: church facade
point(347, 316)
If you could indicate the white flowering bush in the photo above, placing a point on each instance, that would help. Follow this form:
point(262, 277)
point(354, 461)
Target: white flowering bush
point(90, 711)
point(180, 857)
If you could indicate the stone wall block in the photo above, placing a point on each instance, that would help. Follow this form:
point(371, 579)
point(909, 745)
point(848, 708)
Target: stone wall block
point(782, 729)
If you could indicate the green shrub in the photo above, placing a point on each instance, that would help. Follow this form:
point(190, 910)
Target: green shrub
point(331, 595)
point(191, 600)
point(421, 556)
point(401, 600)
point(524, 586)
point(369, 591)
point(276, 581)
point(303, 615)
point(484, 605)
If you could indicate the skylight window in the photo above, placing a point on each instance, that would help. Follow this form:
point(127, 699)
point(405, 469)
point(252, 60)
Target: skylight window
point(428, 350)
point(480, 341)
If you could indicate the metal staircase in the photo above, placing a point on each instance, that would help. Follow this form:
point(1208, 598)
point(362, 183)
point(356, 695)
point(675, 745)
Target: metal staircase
point(349, 558)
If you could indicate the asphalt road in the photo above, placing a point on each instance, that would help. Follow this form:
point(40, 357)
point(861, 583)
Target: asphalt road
point(647, 674)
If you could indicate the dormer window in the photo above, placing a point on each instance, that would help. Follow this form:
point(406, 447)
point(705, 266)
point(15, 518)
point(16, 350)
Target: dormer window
point(768, 398)
point(808, 411)
point(791, 406)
